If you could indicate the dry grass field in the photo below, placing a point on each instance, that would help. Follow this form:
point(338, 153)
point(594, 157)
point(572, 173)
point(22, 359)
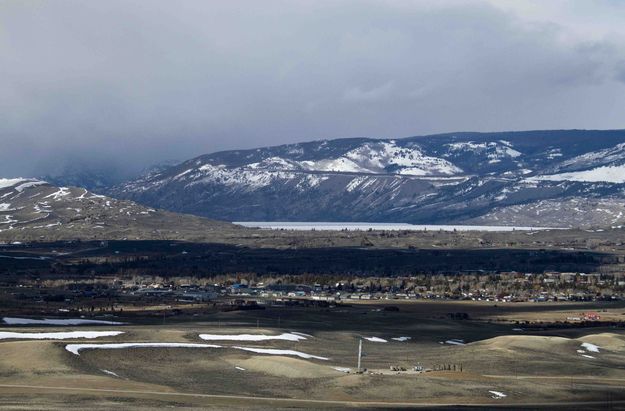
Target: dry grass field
point(502, 366)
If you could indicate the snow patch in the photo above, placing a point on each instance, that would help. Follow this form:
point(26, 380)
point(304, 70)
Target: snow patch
point(591, 347)
point(62, 192)
point(344, 165)
point(10, 182)
point(495, 150)
point(76, 348)
point(497, 394)
point(273, 351)
point(7, 335)
point(605, 174)
point(19, 184)
point(375, 339)
point(251, 337)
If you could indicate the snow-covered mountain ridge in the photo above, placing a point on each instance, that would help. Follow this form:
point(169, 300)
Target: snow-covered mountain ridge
point(433, 179)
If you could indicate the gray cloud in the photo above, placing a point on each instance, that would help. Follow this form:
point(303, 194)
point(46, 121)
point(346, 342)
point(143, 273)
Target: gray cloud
point(131, 83)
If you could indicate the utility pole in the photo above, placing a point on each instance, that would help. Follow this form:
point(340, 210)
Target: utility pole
point(359, 353)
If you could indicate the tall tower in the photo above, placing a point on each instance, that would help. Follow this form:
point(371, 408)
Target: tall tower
point(359, 354)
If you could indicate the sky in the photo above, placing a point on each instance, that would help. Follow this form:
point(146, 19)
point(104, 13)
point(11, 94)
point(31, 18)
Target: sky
point(121, 85)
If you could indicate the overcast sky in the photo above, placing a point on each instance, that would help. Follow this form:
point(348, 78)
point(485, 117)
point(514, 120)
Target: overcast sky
point(132, 83)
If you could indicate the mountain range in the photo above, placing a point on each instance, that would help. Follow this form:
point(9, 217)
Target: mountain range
point(559, 178)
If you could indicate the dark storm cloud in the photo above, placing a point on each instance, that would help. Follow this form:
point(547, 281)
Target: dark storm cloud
point(131, 83)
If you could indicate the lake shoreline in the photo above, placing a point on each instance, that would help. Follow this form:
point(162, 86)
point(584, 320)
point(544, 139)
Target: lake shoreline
point(362, 226)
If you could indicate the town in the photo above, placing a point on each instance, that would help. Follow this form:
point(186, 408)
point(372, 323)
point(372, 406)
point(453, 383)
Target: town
point(104, 294)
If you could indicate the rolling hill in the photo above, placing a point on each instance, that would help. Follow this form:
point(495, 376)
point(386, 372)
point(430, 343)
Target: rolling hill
point(32, 210)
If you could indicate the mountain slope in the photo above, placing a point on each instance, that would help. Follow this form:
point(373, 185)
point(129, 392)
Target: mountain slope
point(35, 210)
point(458, 177)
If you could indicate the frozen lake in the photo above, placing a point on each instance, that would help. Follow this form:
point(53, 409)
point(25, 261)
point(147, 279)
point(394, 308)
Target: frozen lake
point(308, 226)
